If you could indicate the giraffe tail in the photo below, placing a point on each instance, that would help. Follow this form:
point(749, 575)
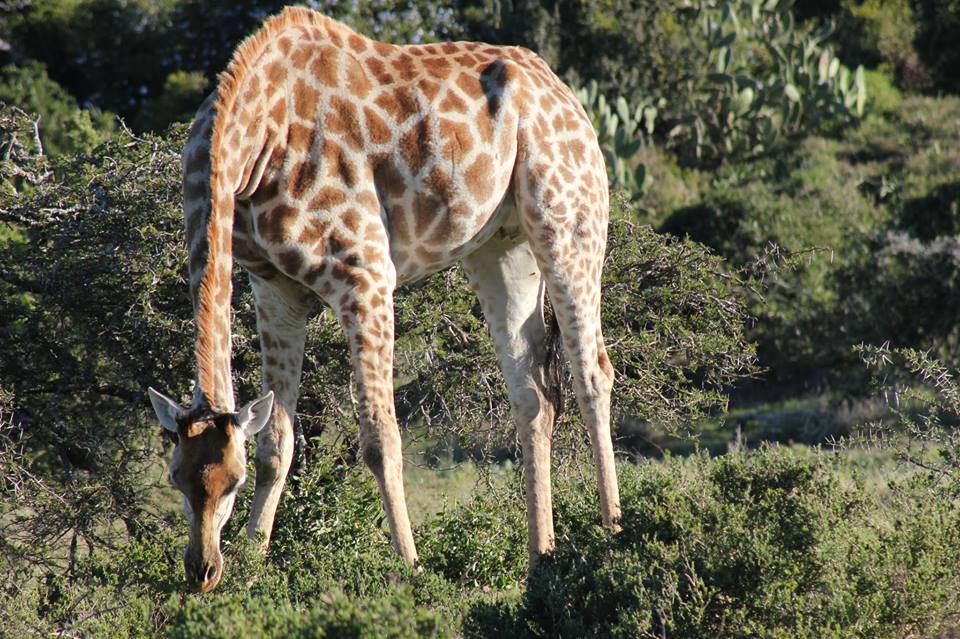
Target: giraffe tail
point(553, 367)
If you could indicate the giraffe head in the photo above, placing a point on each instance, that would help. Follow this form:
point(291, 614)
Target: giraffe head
point(209, 466)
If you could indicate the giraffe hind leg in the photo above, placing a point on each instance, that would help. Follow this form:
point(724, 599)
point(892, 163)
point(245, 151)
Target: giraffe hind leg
point(508, 283)
point(568, 238)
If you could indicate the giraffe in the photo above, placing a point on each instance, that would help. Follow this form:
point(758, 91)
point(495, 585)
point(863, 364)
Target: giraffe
point(332, 166)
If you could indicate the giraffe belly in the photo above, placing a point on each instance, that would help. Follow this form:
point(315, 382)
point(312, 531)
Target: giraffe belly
point(415, 261)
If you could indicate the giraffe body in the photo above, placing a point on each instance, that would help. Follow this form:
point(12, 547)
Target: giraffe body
point(329, 165)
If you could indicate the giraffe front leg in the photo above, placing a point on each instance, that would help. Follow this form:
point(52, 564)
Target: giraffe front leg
point(368, 325)
point(281, 321)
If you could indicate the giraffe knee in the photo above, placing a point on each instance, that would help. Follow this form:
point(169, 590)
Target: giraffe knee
point(525, 405)
point(379, 447)
point(598, 381)
point(533, 412)
point(274, 447)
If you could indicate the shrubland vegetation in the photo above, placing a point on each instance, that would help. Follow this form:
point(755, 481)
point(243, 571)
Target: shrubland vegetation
point(783, 255)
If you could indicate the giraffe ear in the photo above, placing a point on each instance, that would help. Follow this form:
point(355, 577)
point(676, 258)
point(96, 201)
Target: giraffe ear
point(253, 417)
point(166, 409)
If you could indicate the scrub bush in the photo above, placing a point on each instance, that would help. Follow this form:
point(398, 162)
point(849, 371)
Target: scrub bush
point(769, 544)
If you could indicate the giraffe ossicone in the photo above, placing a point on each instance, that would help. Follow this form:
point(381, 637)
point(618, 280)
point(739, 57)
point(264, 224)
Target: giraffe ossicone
point(330, 165)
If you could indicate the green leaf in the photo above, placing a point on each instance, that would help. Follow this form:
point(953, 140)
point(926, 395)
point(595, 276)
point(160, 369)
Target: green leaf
point(723, 60)
point(640, 176)
point(720, 78)
point(791, 92)
point(623, 110)
point(861, 84)
point(649, 118)
point(631, 149)
point(744, 101)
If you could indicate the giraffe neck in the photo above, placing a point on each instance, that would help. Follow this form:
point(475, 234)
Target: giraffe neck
point(233, 171)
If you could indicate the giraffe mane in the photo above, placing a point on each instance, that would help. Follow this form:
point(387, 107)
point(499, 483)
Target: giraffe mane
point(214, 279)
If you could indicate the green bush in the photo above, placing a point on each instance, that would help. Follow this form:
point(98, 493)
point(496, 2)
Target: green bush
point(938, 41)
point(768, 544)
point(881, 34)
point(393, 616)
point(808, 204)
point(869, 219)
point(481, 543)
point(882, 96)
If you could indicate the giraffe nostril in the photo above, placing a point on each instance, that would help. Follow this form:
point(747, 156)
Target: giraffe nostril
point(210, 573)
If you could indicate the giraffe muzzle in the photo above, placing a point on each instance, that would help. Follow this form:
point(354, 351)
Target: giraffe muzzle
point(203, 574)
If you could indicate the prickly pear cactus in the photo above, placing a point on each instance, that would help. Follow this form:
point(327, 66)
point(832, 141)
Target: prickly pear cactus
point(622, 130)
point(769, 79)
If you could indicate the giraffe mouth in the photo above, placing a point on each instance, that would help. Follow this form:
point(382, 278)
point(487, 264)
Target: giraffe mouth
point(202, 574)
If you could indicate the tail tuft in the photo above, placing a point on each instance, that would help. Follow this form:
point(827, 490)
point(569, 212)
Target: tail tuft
point(553, 367)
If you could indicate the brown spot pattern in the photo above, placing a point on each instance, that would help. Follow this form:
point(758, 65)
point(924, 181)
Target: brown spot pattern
point(273, 224)
point(479, 178)
point(324, 67)
point(377, 130)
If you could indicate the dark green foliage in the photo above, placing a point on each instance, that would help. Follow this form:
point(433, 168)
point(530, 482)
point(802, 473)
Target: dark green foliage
point(869, 219)
point(938, 41)
point(806, 205)
point(482, 543)
point(330, 572)
point(629, 49)
point(901, 282)
point(394, 616)
point(914, 41)
point(149, 61)
point(765, 545)
point(114, 54)
point(63, 127)
point(881, 34)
